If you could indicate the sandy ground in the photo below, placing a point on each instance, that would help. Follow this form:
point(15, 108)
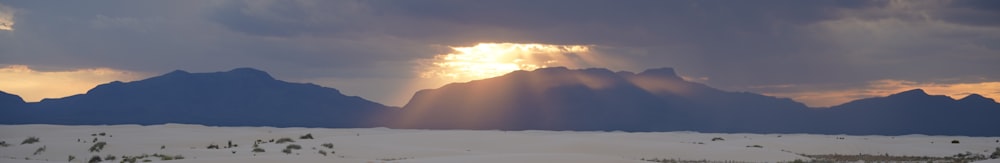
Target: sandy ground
point(426, 146)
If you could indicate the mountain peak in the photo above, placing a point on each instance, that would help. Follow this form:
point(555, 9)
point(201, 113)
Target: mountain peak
point(249, 72)
point(976, 98)
point(912, 92)
point(661, 72)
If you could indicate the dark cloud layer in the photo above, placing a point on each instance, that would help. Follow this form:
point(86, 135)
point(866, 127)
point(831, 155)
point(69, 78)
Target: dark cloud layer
point(735, 44)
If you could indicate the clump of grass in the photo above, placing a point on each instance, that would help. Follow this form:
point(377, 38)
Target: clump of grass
point(293, 146)
point(286, 151)
point(4, 144)
point(322, 152)
point(284, 140)
point(307, 136)
point(71, 158)
point(755, 146)
point(39, 150)
point(258, 150)
point(718, 139)
point(95, 159)
point(97, 147)
point(327, 145)
point(212, 146)
point(30, 140)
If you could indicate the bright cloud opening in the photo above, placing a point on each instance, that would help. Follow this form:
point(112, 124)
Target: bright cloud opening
point(6, 18)
point(33, 85)
point(487, 60)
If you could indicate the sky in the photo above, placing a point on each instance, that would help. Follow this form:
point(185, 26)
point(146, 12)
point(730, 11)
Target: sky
point(821, 52)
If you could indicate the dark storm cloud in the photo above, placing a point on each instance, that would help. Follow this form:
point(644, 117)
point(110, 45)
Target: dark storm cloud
point(735, 44)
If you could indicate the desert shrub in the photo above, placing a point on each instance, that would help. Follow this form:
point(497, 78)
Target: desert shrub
point(4, 144)
point(39, 150)
point(322, 152)
point(284, 140)
point(97, 147)
point(71, 158)
point(95, 159)
point(954, 142)
point(755, 146)
point(30, 140)
point(286, 151)
point(307, 136)
point(102, 134)
point(163, 147)
point(327, 145)
point(258, 150)
point(167, 157)
point(995, 154)
point(293, 146)
point(213, 146)
point(717, 139)
point(110, 157)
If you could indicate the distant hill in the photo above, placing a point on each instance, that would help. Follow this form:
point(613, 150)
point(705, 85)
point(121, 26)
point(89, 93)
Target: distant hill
point(240, 97)
point(914, 111)
point(8, 100)
point(660, 100)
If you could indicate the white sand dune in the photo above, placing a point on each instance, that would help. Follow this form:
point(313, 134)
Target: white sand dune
point(416, 146)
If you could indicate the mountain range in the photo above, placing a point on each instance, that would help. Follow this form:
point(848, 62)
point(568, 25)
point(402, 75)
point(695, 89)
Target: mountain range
point(240, 97)
point(544, 99)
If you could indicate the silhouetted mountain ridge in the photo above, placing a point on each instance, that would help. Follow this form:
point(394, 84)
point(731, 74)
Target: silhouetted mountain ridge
point(555, 98)
point(660, 100)
point(563, 99)
point(242, 96)
point(8, 100)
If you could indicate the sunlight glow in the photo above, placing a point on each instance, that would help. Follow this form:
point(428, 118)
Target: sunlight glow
point(33, 85)
point(487, 60)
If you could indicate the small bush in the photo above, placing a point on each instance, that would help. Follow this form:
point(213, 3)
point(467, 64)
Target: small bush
point(30, 140)
point(286, 151)
point(307, 136)
point(258, 150)
point(95, 159)
point(755, 146)
point(39, 150)
point(293, 146)
point(322, 152)
point(284, 140)
point(213, 146)
point(71, 158)
point(97, 147)
point(327, 145)
point(110, 157)
point(995, 154)
point(954, 142)
point(4, 144)
point(718, 139)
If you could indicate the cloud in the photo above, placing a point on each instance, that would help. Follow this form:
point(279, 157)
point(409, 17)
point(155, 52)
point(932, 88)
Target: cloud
point(735, 44)
point(6, 18)
point(485, 60)
point(823, 96)
point(34, 85)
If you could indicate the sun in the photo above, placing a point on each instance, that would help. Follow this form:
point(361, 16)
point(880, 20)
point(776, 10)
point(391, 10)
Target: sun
point(485, 60)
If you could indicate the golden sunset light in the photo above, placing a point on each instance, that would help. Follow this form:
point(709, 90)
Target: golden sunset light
point(33, 85)
point(486, 60)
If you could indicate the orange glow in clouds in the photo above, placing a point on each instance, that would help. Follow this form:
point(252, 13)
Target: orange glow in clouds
point(33, 85)
point(486, 60)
